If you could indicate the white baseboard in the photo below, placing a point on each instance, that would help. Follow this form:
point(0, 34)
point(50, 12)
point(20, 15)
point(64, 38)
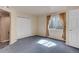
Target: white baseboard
point(13, 42)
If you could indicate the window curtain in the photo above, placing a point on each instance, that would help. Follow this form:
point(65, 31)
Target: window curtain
point(56, 22)
point(63, 18)
point(47, 23)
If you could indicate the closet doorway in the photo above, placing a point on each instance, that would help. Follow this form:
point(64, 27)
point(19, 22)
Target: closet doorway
point(4, 28)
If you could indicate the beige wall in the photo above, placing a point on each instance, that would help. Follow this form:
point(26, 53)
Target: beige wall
point(42, 25)
point(35, 25)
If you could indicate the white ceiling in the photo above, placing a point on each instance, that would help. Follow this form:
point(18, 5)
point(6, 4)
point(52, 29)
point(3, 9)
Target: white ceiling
point(41, 10)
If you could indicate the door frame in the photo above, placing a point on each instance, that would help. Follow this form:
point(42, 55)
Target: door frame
point(7, 14)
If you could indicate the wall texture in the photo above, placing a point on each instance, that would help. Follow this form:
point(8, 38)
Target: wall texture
point(42, 25)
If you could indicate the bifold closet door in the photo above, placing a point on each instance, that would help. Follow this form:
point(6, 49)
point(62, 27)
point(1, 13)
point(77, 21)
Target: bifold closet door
point(5, 29)
point(23, 27)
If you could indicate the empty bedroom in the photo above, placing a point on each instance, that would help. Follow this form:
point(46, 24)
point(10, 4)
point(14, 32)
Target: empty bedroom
point(39, 29)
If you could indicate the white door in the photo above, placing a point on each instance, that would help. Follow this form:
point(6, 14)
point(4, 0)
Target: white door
point(73, 28)
point(23, 27)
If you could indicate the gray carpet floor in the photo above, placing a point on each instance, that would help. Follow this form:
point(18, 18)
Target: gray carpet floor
point(31, 45)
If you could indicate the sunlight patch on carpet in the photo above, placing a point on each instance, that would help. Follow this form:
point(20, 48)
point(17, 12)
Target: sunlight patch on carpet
point(46, 43)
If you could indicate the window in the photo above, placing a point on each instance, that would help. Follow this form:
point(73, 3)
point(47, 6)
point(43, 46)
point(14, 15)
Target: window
point(55, 22)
